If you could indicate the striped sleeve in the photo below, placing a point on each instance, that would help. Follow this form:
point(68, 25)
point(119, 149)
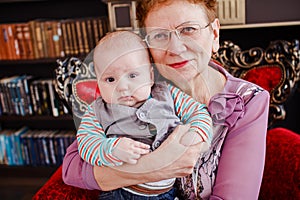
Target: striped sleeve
point(193, 112)
point(93, 145)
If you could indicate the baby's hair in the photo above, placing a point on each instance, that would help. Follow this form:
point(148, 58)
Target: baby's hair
point(118, 43)
point(120, 38)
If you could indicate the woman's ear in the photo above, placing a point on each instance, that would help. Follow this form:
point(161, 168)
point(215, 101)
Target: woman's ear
point(216, 33)
point(152, 75)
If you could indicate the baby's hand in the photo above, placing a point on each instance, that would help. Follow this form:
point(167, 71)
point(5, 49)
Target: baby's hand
point(190, 138)
point(130, 151)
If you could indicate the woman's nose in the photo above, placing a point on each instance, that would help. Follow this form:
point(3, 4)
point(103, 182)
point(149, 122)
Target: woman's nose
point(176, 45)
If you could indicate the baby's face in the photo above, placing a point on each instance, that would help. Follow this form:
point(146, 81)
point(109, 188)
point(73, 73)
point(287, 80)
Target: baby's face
point(128, 80)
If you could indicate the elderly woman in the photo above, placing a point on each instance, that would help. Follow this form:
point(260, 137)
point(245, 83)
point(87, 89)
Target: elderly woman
point(182, 35)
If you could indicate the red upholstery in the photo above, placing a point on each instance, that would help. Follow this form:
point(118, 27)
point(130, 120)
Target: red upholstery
point(56, 189)
point(282, 168)
point(268, 77)
point(86, 90)
point(279, 181)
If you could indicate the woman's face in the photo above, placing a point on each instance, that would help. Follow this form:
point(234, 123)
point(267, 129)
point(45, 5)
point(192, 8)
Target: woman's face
point(182, 59)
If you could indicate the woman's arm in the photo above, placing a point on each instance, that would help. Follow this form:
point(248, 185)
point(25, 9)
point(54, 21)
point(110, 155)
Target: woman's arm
point(242, 160)
point(76, 172)
point(193, 112)
point(171, 159)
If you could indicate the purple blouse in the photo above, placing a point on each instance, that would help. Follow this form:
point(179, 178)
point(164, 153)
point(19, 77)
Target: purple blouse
point(233, 167)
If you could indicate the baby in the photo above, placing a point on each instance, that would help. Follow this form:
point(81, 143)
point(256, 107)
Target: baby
point(134, 114)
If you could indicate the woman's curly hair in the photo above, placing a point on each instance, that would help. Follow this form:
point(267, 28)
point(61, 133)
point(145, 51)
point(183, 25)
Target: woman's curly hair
point(144, 7)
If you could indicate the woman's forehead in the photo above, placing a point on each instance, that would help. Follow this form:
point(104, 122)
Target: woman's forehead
point(174, 14)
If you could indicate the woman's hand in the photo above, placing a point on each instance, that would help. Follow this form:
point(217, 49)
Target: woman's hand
point(170, 160)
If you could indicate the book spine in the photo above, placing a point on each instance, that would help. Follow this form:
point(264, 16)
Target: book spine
point(20, 96)
point(33, 34)
point(48, 34)
point(39, 39)
point(2, 149)
point(33, 98)
point(73, 37)
point(14, 98)
point(19, 35)
point(66, 43)
point(90, 34)
point(85, 37)
point(3, 100)
point(57, 39)
point(25, 149)
point(79, 38)
point(28, 43)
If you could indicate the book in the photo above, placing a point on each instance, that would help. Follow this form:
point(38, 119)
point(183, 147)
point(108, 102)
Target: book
point(9, 141)
point(17, 147)
point(19, 98)
point(80, 39)
point(20, 39)
point(45, 97)
point(33, 34)
point(86, 48)
point(58, 39)
point(50, 143)
point(3, 156)
point(90, 34)
point(3, 49)
point(54, 108)
point(26, 147)
point(49, 43)
point(28, 102)
point(28, 41)
point(11, 43)
point(8, 105)
point(39, 36)
point(3, 100)
point(36, 96)
point(66, 44)
point(74, 38)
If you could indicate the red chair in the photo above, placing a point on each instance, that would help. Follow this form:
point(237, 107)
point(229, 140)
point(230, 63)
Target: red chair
point(275, 68)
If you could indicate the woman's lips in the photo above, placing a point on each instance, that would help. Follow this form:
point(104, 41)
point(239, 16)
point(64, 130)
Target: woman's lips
point(178, 65)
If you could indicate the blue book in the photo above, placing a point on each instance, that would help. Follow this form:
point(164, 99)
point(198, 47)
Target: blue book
point(9, 147)
point(18, 146)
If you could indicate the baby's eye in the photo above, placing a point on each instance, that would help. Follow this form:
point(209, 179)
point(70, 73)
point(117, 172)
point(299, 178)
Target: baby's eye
point(110, 79)
point(132, 75)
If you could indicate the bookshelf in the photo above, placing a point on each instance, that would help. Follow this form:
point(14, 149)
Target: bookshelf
point(23, 12)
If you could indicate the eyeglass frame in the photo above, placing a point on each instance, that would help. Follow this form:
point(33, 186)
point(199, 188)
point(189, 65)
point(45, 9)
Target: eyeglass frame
point(177, 32)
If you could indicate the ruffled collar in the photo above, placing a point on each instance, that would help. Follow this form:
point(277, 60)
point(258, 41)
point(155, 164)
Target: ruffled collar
point(227, 106)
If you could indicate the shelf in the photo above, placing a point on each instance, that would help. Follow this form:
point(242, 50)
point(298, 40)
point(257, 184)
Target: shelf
point(261, 25)
point(28, 61)
point(18, 1)
point(36, 61)
point(37, 122)
point(36, 118)
point(26, 171)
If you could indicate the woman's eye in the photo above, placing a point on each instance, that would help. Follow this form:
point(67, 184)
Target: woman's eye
point(133, 75)
point(110, 79)
point(161, 36)
point(188, 30)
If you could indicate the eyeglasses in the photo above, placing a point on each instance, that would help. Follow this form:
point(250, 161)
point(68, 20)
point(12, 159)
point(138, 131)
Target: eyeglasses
point(160, 38)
